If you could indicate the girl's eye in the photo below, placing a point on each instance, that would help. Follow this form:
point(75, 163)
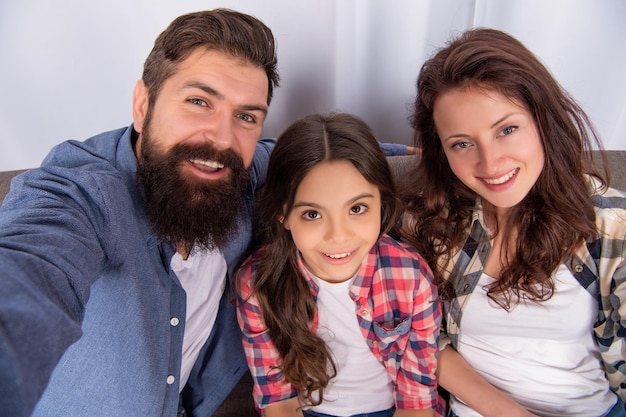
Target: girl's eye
point(310, 215)
point(197, 101)
point(358, 209)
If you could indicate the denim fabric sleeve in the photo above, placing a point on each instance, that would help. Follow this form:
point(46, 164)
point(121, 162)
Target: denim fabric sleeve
point(393, 149)
point(261, 159)
point(50, 254)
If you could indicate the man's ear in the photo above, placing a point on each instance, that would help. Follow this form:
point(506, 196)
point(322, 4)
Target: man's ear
point(140, 105)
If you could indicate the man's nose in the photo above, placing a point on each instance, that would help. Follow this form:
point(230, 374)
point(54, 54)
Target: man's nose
point(220, 131)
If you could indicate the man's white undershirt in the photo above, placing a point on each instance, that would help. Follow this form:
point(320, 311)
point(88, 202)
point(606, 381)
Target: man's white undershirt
point(203, 277)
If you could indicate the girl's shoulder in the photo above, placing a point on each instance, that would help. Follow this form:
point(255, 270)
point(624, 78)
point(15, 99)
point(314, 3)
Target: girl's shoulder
point(251, 263)
point(393, 249)
point(401, 266)
point(387, 241)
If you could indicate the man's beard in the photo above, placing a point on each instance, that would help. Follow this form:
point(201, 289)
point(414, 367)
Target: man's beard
point(183, 208)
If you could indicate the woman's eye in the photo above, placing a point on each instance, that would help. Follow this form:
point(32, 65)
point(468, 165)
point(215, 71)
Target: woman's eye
point(358, 209)
point(197, 101)
point(508, 130)
point(461, 145)
point(311, 215)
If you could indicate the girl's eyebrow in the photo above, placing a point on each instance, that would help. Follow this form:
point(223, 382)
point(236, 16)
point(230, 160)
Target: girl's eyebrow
point(360, 196)
point(350, 201)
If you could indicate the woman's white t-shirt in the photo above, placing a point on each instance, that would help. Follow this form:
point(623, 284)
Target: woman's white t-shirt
point(541, 354)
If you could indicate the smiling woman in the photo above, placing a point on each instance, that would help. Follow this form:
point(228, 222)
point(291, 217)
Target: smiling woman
point(491, 143)
point(522, 233)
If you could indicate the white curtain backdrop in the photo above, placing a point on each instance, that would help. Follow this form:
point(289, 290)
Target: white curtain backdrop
point(68, 67)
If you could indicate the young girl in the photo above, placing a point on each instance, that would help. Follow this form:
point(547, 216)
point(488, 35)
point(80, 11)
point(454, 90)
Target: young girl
point(337, 318)
point(525, 240)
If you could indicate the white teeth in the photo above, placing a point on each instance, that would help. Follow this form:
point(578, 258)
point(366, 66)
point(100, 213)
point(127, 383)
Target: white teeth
point(338, 255)
point(502, 179)
point(210, 164)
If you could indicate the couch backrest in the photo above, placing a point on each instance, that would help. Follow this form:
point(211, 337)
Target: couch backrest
point(400, 164)
point(5, 181)
point(617, 168)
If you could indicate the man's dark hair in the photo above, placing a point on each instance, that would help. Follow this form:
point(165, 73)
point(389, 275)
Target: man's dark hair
point(240, 35)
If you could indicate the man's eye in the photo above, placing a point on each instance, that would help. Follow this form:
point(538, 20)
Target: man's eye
point(197, 101)
point(246, 117)
point(358, 209)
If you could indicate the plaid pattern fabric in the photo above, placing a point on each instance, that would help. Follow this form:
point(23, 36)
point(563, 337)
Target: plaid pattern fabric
point(599, 266)
point(399, 317)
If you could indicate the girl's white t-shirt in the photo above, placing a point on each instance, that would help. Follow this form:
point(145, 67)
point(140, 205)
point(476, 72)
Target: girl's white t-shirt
point(362, 384)
point(541, 354)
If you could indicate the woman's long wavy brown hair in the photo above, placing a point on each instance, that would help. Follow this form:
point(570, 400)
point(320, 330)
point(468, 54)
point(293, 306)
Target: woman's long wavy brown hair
point(283, 292)
point(555, 217)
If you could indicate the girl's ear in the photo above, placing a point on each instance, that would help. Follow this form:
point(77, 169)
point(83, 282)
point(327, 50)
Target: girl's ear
point(285, 223)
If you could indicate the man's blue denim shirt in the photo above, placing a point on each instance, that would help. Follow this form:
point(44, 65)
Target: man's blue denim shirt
point(90, 312)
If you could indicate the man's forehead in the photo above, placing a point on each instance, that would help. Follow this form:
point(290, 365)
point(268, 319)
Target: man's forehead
point(203, 64)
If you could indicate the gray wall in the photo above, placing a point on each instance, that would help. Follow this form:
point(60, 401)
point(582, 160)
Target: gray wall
point(68, 67)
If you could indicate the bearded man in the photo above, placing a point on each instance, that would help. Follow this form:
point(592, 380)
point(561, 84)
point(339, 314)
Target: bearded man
point(115, 254)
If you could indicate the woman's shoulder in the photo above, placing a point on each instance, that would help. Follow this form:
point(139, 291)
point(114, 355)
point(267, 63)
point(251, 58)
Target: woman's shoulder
point(610, 206)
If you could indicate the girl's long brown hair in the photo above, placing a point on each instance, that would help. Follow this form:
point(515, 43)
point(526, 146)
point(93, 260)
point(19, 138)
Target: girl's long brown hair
point(555, 217)
point(283, 292)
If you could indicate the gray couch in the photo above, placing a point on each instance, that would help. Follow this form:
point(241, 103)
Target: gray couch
point(399, 164)
point(239, 403)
